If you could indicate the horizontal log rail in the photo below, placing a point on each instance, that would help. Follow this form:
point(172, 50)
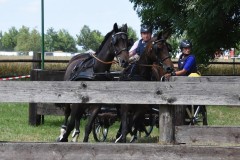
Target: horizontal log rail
point(114, 151)
point(171, 93)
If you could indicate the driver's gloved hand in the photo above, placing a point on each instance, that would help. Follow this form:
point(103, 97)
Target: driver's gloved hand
point(134, 58)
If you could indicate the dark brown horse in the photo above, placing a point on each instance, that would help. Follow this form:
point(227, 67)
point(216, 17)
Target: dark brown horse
point(153, 63)
point(93, 67)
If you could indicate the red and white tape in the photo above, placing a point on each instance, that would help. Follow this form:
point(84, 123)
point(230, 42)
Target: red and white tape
point(11, 78)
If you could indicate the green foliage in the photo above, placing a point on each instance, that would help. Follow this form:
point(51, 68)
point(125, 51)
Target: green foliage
point(209, 24)
point(26, 40)
point(89, 39)
point(66, 42)
point(23, 38)
point(9, 39)
point(132, 34)
point(35, 41)
point(51, 39)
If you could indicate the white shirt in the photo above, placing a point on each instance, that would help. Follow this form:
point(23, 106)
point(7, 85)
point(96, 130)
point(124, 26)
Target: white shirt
point(132, 51)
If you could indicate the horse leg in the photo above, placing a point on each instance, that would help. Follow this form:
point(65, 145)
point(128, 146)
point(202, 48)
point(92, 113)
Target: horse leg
point(75, 114)
point(138, 121)
point(119, 132)
point(79, 113)
point(124, 124)
point(76, 131)
point(120, 127)
point(88, 128)
point(67, 111)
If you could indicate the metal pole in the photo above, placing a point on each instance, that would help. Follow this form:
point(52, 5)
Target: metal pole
point(42, 65)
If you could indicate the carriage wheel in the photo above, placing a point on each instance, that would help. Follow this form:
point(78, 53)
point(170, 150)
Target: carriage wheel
point(196, 115)
point(100, 132)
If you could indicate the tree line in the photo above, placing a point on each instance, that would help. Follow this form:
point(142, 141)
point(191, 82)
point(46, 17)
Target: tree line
point(25, 40)
point(210, 25)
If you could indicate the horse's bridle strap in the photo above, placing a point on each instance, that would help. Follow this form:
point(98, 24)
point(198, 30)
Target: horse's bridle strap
point(165, 58)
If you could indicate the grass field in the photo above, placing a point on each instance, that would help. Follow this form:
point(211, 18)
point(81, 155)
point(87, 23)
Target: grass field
point(14, 124)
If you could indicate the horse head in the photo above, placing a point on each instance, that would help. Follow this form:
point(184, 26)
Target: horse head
point(158, 51)
point(119, 44)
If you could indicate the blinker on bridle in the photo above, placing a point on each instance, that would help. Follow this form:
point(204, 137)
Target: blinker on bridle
point(114, 41)
point(157, 49)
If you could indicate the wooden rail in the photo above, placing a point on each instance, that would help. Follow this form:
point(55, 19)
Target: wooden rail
point(102, 151)
point(169, 95)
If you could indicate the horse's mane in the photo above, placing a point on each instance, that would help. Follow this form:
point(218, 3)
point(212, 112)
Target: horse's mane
point(104, 41)
point(83, 55)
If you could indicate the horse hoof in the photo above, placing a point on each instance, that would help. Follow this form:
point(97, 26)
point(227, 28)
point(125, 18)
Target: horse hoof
point(62, 139)
point(133, 139)
point(58, 139)
point(119, 139)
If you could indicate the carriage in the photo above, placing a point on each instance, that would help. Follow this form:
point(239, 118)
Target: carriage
point(152, 65)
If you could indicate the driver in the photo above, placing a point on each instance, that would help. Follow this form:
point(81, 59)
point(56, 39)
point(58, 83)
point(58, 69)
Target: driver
point(138, 47)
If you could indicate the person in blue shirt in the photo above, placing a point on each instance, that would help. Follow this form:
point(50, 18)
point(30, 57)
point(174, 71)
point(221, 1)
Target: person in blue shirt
point(187, 61)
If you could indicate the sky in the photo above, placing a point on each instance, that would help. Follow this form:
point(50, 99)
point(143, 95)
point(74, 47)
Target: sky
point(71, 15)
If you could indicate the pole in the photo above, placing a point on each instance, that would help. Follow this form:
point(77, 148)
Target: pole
point(42, 65)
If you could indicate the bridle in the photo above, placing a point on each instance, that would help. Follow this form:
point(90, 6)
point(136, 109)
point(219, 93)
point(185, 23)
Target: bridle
point(157, 49)
point(122, 35)
point(116, 52)
point(160, 62)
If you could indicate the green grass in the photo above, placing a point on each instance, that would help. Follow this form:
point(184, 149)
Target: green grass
point(14, 124)
point(223, 116)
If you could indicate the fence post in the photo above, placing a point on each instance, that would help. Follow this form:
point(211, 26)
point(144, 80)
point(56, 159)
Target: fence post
point(34, 118)
point(36, 65)
point(166, 124)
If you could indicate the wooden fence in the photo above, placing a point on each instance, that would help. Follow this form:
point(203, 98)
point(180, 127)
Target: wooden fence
point(169, 95)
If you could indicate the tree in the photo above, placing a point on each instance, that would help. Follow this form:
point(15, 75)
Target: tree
point(65, 42)
point(9, 39)
point(35, 41)
point(209, 24)
point(23, 39)
point(51, 39)
point(132, 34)
point(1, 46)
point(89, 39)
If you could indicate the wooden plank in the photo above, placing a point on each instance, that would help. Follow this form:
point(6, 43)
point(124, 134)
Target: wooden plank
point(208, 135)
point(48, 75)
point(198, 93)
point(228, 79)
point(100, 151)
point(49, 109)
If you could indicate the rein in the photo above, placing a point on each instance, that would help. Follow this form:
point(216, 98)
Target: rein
point(110, 62)
point(155, 65)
